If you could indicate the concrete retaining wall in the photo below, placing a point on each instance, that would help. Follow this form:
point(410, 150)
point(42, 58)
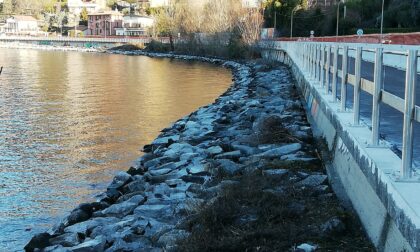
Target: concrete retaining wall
point(390, 220)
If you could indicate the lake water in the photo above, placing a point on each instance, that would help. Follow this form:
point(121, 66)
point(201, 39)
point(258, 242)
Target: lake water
point(69, 121)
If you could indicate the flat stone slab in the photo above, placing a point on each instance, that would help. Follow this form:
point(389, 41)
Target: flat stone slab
point(153, 211)
point(280, 151)
point(313, 180)
point(164, 140)
point(275, 172)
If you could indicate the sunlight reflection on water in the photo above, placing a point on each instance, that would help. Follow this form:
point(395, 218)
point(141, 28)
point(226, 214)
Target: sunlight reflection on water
point(69, 121)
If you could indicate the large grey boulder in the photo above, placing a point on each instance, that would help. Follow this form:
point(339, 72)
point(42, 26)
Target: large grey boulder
point(38, 241)
point(119, 180)
point(56, 248)
point(153, 211)
point(164, 140)
point(280, 151)
point(229, 155)
point(95, 245)
point(87, 226)
point(120, 245)
point(176, 149)
point(124, 208)
point(66, 240)
point(214, 150)
point(277, 173)
point(313, 180)
point(160, 172)
point(228, 166)
point(135, 186)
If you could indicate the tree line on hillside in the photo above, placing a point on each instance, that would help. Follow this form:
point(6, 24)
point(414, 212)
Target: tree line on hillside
point(399, 16)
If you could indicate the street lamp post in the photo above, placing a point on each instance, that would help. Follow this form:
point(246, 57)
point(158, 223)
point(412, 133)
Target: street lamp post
point(338, 17)
point(291, 20)
point(382, 19)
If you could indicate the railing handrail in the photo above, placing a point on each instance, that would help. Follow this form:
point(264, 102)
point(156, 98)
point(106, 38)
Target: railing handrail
point(76, 39)
point(313, 57)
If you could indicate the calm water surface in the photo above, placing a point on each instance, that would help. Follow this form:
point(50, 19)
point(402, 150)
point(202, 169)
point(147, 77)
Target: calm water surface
point(69, 121)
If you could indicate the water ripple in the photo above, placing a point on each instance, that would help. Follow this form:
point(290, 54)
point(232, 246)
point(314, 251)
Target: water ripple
point(69, 121)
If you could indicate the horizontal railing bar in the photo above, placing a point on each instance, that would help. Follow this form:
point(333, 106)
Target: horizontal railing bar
point(367, 86)
point(340, 73)
point(393, 101)
point(402, 53)
point(351, 79)
point(417, 115)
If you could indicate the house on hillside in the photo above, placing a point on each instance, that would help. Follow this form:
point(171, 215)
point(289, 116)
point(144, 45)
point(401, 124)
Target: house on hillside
point(135, 25)
point(76, 6)
point(104, 23)
point(323, 4)
point(2, 27)
point(251, 3)
point(21, 25)
point(158, 3)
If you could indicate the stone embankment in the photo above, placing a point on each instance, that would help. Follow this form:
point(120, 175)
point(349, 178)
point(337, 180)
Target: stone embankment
point(254, 143)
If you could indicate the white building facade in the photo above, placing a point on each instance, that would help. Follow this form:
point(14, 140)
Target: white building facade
point(159, 3)
point(135, 25)
point(251, 3)
point(76, 6)
point(21, 25)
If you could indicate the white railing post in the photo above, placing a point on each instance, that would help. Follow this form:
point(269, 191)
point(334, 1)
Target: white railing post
point(303, 52)
point(311, 50)
point(335, 72)
point(318, 59)
point(327, 70)
point(409, 113)
point(307, 52)
point(356, 96)
point(313, 66)
point(344, 72)
point(322, 66)
point(376, 98)
point(316, 62)
point(308, 66)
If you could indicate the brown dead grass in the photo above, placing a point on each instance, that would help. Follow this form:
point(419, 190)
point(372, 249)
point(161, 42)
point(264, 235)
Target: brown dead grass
point(271, 225)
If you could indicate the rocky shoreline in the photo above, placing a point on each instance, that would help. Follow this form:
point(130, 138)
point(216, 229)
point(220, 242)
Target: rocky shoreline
point(246, 164)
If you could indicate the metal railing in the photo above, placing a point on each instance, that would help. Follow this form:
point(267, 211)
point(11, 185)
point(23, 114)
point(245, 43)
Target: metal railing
point(315, 59)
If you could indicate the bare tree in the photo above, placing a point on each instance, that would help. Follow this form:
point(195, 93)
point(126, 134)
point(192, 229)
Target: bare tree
point(216, 19)
point(250, 24)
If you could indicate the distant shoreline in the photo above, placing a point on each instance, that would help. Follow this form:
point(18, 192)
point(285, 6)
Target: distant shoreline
point(22, 45)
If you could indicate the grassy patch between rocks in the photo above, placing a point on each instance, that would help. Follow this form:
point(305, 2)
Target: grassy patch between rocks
point(265, 213)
